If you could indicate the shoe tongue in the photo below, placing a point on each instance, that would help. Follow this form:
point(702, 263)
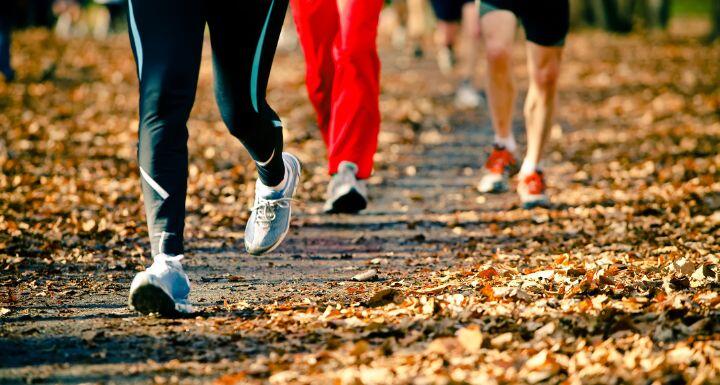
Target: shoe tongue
point(348, 166)
point(170, 260)
point(267, 193)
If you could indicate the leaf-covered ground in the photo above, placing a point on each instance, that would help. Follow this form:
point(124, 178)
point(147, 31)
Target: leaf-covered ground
point(617, 283)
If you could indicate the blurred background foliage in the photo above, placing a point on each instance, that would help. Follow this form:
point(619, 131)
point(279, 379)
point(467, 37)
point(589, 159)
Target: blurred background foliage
point(621, 16)
point(624, 16)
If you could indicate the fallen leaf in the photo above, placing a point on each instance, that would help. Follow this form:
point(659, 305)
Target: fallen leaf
point(369, 275)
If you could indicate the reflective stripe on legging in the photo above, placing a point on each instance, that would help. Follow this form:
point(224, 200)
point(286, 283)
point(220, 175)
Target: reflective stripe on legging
point(136, 38)
point(256, 60)
point(167, 38)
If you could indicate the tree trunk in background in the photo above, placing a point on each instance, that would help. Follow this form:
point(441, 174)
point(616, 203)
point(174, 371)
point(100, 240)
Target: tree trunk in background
point(578, 12)
point(656, 13)
point(715, 34)
point(613, 15)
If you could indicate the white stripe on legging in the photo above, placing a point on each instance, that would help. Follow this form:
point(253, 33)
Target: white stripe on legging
point(136, 38)
point(265, 163)
point(256, 60)
point(155, 186)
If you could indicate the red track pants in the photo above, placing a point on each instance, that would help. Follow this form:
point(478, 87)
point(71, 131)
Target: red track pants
point(343, 76)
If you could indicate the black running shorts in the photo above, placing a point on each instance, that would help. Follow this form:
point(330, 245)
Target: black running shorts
point(546, 22)
point(449, 10)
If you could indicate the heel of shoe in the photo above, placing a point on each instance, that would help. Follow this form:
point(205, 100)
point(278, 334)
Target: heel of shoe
point(146, 297)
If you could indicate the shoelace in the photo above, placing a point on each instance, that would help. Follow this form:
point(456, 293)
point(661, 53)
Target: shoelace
point(169, 258)
point(265, 209)
point(163, 263)
point(169, 261)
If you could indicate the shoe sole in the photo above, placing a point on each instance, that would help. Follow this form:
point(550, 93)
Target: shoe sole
point(350, 203)
point(544, 203)
point(150, 299)
point(276, 244)
point(496, 188)
point(287, 228)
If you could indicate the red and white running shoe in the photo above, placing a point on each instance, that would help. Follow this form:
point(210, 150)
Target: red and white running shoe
point(531, 189)
point(500, 165)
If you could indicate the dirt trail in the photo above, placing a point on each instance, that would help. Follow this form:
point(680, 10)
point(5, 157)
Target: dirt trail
point(426, 227)
point(427, 181)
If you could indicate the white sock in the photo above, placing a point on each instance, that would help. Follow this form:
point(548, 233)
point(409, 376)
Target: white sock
point(507, 142)
point(528, 167)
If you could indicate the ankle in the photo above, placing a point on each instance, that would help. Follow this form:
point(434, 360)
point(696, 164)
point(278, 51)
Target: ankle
point(507, 142)
point(278, 187)
point(528, 167)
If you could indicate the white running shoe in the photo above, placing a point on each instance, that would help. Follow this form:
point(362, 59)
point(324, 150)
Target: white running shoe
point(532, 190)
point(466, 96)
point(346, 194)
point(161, 289)
point(270, 219)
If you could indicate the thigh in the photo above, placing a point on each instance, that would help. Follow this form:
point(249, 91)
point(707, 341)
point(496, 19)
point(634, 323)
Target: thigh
point(447, 10)
point(470, 19)
point(546, 22)
point(543, 63)
point(487, 6)
point(358, 27)
point(498, 22)
point(166, 36)
point(317, 22)
point(244, 37)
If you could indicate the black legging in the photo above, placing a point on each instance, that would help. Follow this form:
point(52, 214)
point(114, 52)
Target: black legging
point(167, 38)
point(5, 67)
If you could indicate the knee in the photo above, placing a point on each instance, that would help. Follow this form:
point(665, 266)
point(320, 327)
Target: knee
point(359, 50)
point(546, 77)
point(238, 120)
point(498, 53)
point(165, 101)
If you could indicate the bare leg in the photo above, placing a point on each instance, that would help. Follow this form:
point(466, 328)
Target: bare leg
point(400, 30)
point(416, 10)
point(471, 32)
point(446, 37)
point(543, 69)
point(498, 34)
point(446, 33)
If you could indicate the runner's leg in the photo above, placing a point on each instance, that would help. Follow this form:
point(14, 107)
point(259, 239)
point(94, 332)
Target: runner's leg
point(498, 28)
point(355, 117)
point(416, 24)
point(448, 14)
point(243, 52)
point(546, 27)
point(466, 95)
point(498, 25)
point(167, 39)
point(543, 70)
point(244, 37)
point(318, 23)
point(471, 32)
